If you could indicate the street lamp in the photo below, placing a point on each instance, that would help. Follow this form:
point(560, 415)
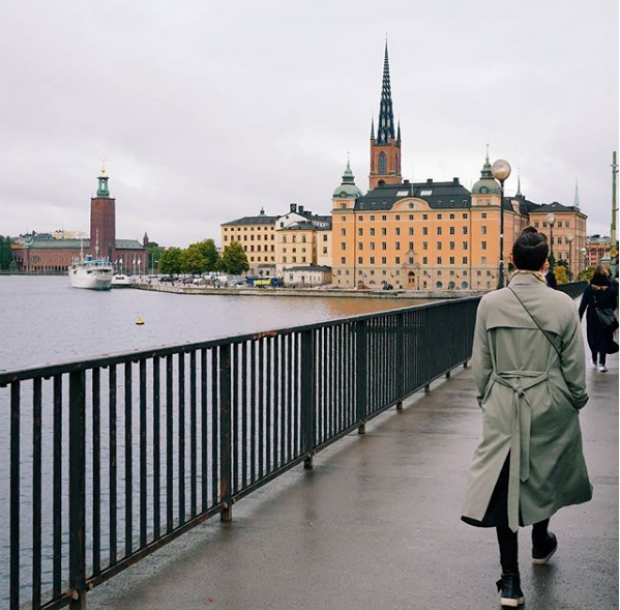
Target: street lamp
point(584, 254)
point(550, 220)
point(569, 239)
point(501, 170)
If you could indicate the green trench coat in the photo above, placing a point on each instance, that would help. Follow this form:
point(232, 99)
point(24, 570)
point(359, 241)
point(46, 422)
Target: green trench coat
point(530, 399)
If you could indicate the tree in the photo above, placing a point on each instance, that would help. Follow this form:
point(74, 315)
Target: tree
point(234, 259)
point(154, 252)
point(586, 274)
point(6, 254)
point(170, 261)
point(192, 260)
point(561, 274)
point(210, 253)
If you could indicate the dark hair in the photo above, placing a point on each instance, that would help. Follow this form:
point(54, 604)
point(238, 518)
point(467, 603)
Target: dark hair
point(530, 230)
point(600, 277)
point(530, 250)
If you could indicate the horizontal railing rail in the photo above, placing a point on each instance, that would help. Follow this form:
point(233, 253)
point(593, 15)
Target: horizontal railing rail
point(112, 457)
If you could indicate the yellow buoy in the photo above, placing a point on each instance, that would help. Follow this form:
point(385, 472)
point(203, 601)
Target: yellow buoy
point(139, 321)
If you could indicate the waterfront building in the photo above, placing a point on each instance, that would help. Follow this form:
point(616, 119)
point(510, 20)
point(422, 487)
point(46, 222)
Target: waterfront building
point(307, 276)
point(273, 243)
point(257, 236)
point(432, 234)
point(40, 253)
point(597, 247)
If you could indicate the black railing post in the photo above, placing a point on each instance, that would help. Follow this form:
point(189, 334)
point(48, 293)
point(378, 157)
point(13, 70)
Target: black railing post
point(400, 360)
point(361, 373)
point(225, 408)
point(308, 379)
point(77, 489)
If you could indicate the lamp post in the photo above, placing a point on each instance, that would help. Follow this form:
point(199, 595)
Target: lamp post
point(584, 254)
point(501, 170)
point(569, 239)
point(550, 220)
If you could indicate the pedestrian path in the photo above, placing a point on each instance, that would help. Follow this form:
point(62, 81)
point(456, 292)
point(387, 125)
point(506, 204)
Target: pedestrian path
point(376, 526)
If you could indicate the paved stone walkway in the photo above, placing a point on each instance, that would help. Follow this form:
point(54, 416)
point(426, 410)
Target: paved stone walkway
point(376, 526)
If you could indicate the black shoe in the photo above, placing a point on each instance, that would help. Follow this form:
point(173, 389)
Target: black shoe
point(510, 587)
point(542, 554)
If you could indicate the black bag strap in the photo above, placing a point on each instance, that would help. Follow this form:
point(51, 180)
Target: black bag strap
point(557, 351)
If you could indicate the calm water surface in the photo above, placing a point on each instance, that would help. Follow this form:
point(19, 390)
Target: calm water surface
point(44, 320)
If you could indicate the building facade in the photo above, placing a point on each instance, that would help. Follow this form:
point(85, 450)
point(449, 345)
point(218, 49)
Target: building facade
point(597, 247)
point(431, 235)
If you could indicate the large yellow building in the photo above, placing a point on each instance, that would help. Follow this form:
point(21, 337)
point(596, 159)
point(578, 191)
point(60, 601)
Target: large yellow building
point(432, 235)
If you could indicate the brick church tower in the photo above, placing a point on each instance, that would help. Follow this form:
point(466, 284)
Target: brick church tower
point(103, 221)
point(385, 150)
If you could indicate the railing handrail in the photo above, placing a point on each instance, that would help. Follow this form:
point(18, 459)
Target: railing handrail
point(104, 360)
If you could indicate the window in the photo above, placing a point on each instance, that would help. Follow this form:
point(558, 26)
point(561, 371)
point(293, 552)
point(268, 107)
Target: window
point(397, 260)
point(372, 231)
point(343, 246)
point(383, 245)
point(397, 245)
point(383, 260)
point(410, 230)
point(382, 163)
point(384, 218)
point(372, 219)
point(452, 260)
point(361, 219)
point(451, 245)
point(360, 231)
point(464, 230)
point(424, 230)
point(372, 245)
point(439, 216)
point(324, 250)
point(484, 245)
point(410, 216)
point(410, 245)
point(439, 245)
point(465, 216)
point(397, 217)
point(325, 237)
point(536, 225)
point(483, 229)
point(397, 230)
point(343, 260)
point(343, 206)
point(452, 229)
point(424, 216)
point(483, 260)
point(559, 224)
point(411, 260)
point(383, 231)
point(465, 245)
point(567, 224)
point(465, 262)
point(439, 262)
point(439, 231)
point(372, 260)
point(424, 245)
point(343, 231)
point(343, 218)
point(425, 260)
point(360, 246)
point(484, 214)
point(451, 216)
point(360, 260)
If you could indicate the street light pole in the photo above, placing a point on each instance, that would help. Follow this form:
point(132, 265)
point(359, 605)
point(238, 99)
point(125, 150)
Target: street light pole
point(501, 170)
point(550, 220)
point(569, 239)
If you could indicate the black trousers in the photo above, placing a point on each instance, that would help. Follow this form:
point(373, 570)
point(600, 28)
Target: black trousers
point(509, 543)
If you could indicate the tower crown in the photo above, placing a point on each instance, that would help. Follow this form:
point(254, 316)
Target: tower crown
point(103, 190)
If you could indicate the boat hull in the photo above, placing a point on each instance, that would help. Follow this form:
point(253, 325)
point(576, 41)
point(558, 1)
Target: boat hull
point(91, 277)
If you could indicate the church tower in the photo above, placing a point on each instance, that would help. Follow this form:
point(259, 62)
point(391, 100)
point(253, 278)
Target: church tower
point(103, 221)
point(385, 149)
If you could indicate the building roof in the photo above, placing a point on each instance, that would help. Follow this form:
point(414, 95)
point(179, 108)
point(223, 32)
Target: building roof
point(438, 195)
point(302, 225)
point(57, 244)
point(555, 207)
point(262, 219)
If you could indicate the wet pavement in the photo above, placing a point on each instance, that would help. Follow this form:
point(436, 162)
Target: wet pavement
point(376, 525)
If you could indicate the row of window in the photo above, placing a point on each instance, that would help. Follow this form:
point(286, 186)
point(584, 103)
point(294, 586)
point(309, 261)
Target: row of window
point(239, 238)
point(397, 217)
point(560, 224)
point(258, 248)
point(410, 231)
point(451, 260)
point(264, 259)
point(439, 245)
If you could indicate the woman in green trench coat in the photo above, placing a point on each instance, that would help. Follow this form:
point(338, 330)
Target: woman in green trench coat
point(529, 367)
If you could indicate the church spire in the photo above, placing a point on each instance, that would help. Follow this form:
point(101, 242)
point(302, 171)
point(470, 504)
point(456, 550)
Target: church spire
point(372, 128)
point(386, 115)
point(576, 201)
point(519, 193)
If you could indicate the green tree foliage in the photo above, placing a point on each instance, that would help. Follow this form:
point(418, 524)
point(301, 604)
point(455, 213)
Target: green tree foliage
point(208, 249)
point(6, 254)
point(586, 274)
point(154, 252)
point(192, 260)
point(561, 273)
point(170, 261)
point(234, 259)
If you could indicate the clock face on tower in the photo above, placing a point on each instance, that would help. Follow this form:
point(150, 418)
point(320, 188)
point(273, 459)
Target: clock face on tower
point(484, 189)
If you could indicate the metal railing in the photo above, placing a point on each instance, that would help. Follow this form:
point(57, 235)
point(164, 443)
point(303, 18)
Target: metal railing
point(115, 456)
point(573, 289)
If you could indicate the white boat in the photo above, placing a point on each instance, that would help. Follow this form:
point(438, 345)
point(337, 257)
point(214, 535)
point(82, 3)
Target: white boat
point(91, 274)
point(120, 280)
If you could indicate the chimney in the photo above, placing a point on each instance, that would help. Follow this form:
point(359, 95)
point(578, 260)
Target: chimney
point(293, 207)
point(455, 180)
point(429, 181)
point(300, 209)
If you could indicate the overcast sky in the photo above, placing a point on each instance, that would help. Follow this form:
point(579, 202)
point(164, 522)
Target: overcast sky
point(207, 111)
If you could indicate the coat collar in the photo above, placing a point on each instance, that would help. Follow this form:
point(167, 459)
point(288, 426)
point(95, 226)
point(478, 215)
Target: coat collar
point(525, 279)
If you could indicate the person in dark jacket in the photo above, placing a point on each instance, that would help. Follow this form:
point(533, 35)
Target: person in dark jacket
point(550, 276)
point(600, 294)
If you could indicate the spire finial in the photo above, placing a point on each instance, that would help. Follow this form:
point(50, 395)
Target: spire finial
point(487, 153)
point(348, 160)
point(576, 201)
point(398, 131)
point(372, 128)
point(519, 194)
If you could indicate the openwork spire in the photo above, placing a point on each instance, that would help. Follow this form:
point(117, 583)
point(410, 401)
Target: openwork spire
point(576, 200)
point(386, 115)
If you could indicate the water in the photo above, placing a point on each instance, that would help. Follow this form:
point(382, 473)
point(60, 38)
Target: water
point(45, 321)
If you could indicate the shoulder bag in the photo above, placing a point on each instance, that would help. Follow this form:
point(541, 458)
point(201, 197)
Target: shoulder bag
point(605, 315)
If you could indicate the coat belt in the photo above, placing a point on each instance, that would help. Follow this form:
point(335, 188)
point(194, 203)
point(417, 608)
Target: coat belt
point(520, 429)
